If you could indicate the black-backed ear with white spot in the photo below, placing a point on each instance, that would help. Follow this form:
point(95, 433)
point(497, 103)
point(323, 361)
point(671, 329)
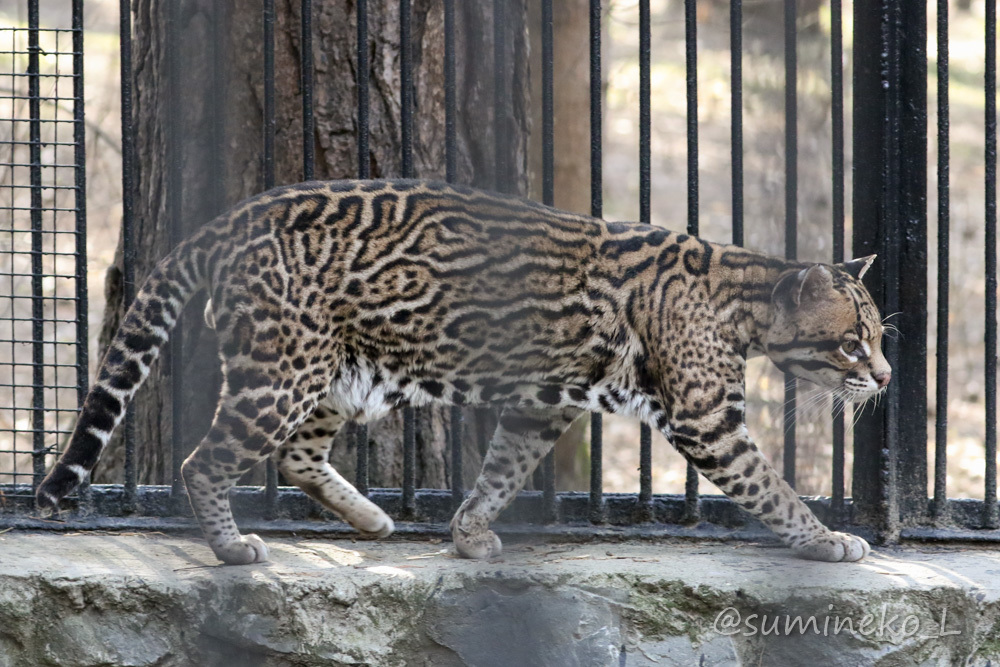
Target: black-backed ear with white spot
point(858, 267)
point(807, 285)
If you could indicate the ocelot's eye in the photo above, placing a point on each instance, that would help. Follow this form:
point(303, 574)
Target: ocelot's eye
point(850, 347)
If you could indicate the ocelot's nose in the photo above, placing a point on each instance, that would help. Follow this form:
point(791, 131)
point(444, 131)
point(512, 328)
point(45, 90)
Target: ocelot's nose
point(882, 378)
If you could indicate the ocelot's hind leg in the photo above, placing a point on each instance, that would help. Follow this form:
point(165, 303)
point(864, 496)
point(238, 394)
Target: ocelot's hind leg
point(522, 438)
point(304, 459)
point(244, 432)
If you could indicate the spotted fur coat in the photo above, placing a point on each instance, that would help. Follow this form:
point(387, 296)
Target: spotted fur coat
point(337, 301)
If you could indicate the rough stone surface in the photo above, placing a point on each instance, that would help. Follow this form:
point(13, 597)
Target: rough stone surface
point(144, 600)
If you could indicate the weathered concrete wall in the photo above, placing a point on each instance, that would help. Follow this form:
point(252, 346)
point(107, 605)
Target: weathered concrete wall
point(155, 600)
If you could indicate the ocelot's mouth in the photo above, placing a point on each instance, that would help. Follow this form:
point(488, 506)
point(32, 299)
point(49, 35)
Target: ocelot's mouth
point(853, 395)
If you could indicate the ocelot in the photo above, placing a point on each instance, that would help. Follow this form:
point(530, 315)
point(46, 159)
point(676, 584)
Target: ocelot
point(342, 300)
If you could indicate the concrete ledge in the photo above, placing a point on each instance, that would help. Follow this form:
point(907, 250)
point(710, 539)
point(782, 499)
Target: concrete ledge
point(150, 599)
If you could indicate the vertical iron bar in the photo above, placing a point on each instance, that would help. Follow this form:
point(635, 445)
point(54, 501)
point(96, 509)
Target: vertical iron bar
point(691, 72)
point(596, 176)
point(218, 108)
point(645, 139)
point(271, 474)
point(455, 414)
point(837, 119)
point(645, 510)
point(788, 451)
point(361, 442)
point(409, 463)
point(406, 100)
point(735, 132)
point(364, 160)
point(645, 473)
point(990, 518)
point(692, 510)
point(596, 506)
point(37, 299)
point(80, 203)
point(791, 211)
point(308, 124)
point(364, 171)
point(890, 218)
point(939, 507)
point(837, 496)
point(837, 116)
point(176, 235)
point(736, 113)
point(80, 161)
point(128, 230)
point(449, 89)
point(406, 87)
point(548, 108)
point(269, 120)
point(501, 176)
point(482, 434)
point(457, 484)
point(549, 511)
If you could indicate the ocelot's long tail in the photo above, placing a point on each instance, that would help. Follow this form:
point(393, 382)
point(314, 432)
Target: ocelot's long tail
point(136, 345)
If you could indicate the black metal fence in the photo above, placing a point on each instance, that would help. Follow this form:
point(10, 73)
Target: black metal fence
point(45, 282)
point(43, 301)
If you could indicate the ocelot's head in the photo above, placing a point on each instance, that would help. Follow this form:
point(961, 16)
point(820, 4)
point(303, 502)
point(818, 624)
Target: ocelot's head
point(827, 330)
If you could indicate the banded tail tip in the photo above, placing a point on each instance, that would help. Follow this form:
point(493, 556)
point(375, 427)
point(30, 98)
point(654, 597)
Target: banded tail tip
point(46, 503)
point(59, 483)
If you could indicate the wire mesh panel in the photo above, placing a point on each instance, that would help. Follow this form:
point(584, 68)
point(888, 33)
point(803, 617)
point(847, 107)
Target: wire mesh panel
point(43, 335)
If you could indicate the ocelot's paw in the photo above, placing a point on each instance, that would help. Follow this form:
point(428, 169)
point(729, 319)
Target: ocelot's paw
point(477, 546)
point(248, 549)
point(376, 527)
point(368, 519)
point(834, 547)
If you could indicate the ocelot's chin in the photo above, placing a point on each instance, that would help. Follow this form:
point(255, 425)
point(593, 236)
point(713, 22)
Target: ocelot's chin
point(856, 396)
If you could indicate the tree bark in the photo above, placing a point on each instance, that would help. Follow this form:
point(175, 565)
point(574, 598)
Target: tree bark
point(219, 93)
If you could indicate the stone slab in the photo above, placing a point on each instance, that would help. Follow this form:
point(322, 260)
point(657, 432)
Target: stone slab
point(152, 599)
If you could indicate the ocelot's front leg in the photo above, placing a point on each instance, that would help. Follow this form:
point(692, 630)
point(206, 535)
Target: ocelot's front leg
point(522, 438)
point(720, 447)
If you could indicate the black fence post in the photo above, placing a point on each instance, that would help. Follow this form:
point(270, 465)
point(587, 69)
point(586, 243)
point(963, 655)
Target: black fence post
point(37, 270)
point(597, 513)
point(175, 346)
point(991, 515)
point(128, 227)
point(268, 18)
point(890, 219)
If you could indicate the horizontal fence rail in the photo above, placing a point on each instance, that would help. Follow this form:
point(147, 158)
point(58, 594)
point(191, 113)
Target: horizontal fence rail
point(43, 281)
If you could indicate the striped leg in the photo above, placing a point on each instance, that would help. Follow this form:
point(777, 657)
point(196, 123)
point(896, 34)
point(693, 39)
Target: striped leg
point(243, 433)
point(304, 460)
point(720, 447)
point(522, 438)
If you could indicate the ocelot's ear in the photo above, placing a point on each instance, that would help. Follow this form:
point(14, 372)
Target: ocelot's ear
point(803, 286)
point(858, 267)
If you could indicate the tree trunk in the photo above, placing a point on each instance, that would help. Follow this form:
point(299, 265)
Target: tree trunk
point(219, 94)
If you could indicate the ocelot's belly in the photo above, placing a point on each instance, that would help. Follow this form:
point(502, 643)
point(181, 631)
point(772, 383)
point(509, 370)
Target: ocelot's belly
point(366, 391)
